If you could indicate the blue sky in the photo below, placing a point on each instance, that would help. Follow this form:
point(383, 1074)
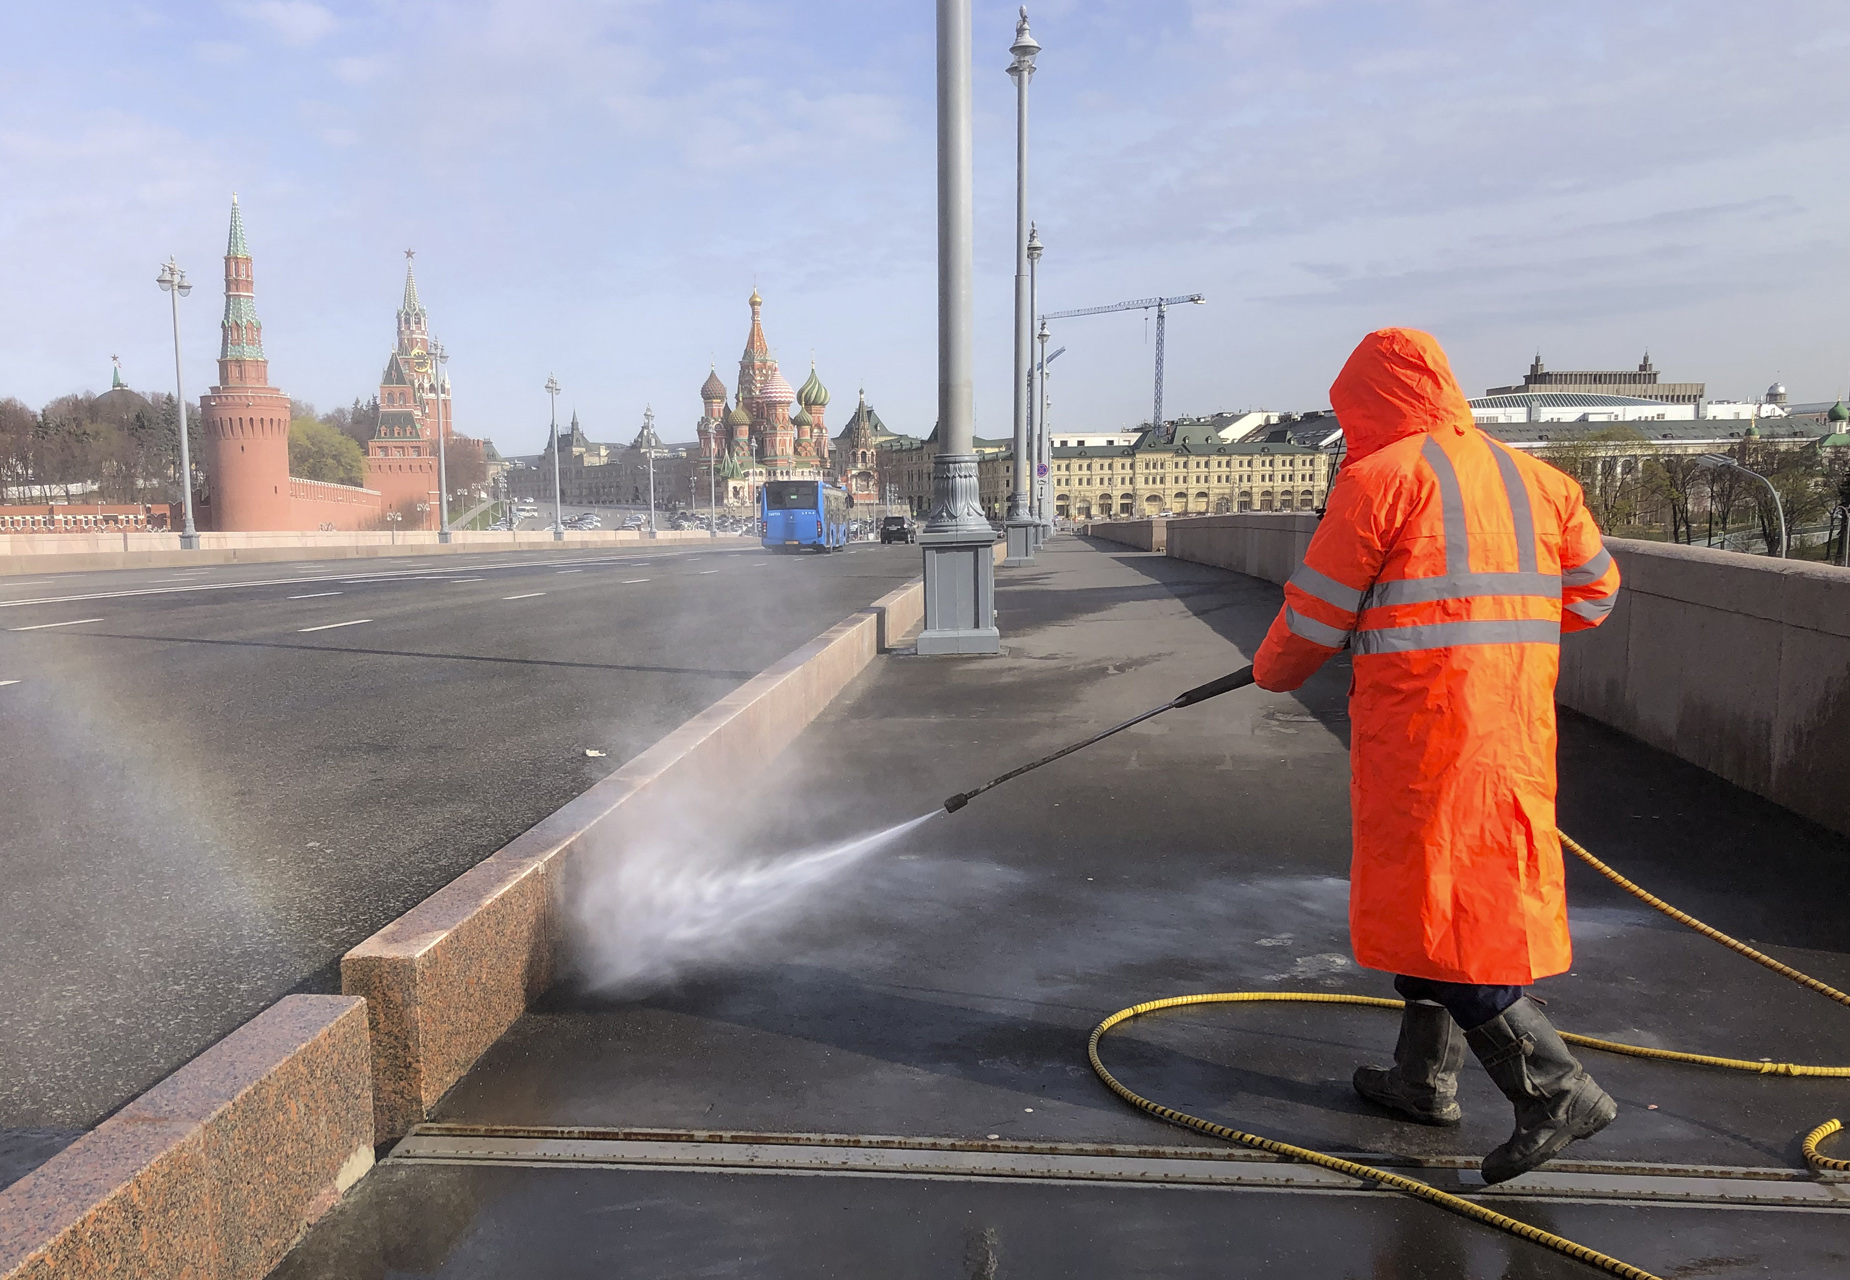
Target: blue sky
point(593, 189)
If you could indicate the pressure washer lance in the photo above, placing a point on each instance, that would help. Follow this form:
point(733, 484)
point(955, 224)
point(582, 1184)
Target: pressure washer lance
point(1200, 693)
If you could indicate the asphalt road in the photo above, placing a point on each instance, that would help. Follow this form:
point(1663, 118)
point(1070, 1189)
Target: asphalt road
point(218, 780)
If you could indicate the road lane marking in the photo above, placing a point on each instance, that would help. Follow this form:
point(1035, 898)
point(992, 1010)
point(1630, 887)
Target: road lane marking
point(568, 570)
point(704, 572)
point(528, 596)
point(74, 622)
point(461, 579)
point(33, 582)
point(5, 683)
point(632, 581)
point(313, 595)
point(329, 626)
point(384, 576)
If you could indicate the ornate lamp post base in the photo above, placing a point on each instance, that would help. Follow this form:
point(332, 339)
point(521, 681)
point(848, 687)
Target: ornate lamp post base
point(1023, 534)
point(960, 564)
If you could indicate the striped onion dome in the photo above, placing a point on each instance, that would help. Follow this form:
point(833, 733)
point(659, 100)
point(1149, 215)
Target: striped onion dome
point(738, 417)
point(813, 393)
point(713, 388)
point(776, 390)
point(801, 418)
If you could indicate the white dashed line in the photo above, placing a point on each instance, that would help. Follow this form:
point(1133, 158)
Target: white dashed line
point(460, 579)
point(629, 582)
point(528, 596)
point(5, 683)
point(555, 570)
point(74, 622)
point(702, 573)
point(313, 595)
point(329, 626)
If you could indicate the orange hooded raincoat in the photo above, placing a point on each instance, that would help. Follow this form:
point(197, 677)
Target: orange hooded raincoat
point(1450, 564)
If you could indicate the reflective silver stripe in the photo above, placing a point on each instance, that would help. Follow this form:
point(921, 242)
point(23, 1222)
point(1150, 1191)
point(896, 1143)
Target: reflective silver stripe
point(1448, 635)
point(1316, 632)
point(1590, 572)
point(1326, 589)
point(1451, 507)
point(1520, 514)
point(1464, 586)
point(1593, 611)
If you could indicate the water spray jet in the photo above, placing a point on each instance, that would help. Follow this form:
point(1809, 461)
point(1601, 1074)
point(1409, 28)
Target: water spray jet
point(1200, 693)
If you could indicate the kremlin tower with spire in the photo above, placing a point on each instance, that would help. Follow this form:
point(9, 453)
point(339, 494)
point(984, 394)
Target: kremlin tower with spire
point(247, 422)
point(246, 419)
point(414, 398)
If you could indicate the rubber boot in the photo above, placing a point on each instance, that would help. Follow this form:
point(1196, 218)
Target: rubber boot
point(1423, 1082)
point(1556, 1100)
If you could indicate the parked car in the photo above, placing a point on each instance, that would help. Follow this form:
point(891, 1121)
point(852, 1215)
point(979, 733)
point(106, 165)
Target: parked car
point(898, 529)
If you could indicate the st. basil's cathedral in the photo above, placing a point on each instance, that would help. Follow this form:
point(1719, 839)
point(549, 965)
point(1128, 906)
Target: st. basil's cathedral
point(762, 437)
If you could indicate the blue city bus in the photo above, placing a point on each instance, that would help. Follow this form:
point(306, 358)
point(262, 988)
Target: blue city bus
point(803, 513)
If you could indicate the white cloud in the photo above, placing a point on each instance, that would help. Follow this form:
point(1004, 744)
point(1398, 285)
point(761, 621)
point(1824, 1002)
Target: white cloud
point(299, 22)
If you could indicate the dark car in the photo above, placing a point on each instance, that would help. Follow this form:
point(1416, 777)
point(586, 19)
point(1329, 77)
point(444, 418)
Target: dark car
point(898, 529)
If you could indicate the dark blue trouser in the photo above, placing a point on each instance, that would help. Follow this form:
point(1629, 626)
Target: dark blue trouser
point(1470, 1005)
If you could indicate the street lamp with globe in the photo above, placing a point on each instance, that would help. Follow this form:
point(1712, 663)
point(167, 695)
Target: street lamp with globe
point(172, 281)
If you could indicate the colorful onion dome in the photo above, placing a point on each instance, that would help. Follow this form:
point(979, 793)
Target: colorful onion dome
point(738, 417)
point(801, 418)
point(813, 394)
point(1838, 413)
point(776, 390)
point(713, 388)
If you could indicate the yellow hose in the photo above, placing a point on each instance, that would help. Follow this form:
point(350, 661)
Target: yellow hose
point(1431, 1194)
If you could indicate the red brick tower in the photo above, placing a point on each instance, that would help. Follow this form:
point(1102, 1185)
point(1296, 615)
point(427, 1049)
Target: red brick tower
point(245, 417)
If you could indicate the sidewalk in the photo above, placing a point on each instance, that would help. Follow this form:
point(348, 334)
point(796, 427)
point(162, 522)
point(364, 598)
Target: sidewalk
point(944, 989)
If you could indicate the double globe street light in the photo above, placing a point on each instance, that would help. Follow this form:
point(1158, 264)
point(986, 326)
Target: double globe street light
point(172, 281)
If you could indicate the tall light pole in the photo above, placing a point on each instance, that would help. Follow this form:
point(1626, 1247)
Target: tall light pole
point(648, 453)
point(1037, 428)
point(958, 543)
point(1020, 528)
point(1721, 461)
point(172, 281)
point(558, 503)
point(439, 357)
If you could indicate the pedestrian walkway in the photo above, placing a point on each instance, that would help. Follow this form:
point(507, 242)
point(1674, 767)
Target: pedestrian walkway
point(938, 996)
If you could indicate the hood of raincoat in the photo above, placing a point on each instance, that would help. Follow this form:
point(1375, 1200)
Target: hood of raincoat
point(1396, 383)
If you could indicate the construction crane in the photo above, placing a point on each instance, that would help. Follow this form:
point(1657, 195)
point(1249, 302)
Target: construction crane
point(1162, 306)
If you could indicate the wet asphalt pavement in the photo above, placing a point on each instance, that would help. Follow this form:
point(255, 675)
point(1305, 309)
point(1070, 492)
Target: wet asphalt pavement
point(944, 987)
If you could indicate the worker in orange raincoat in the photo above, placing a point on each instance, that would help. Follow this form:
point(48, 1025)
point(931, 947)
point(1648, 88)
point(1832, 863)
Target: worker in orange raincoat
point(1450, 565)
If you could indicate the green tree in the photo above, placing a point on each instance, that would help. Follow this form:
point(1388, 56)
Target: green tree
point(319, 452)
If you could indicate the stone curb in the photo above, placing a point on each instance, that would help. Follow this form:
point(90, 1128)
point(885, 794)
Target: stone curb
point(217, 1170)
point(445, 980)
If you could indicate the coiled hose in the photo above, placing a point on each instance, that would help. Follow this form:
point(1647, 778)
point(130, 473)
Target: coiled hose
point(1431, 1194)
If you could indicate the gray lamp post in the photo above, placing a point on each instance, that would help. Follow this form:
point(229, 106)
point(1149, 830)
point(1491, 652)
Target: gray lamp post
point(1020, 528)
point(558, 503)
point(439, 358)
point(1037, 427)
point(958, 543)
point(648, 452)
point(1721, 461)
point(172, 281)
